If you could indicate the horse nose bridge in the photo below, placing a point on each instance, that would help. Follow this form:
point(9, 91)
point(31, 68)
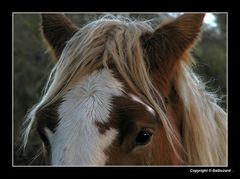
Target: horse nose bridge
point(86, 147)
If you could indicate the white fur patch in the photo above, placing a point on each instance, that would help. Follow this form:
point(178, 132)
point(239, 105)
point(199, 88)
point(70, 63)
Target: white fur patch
point(137, 99)
point(77, 140)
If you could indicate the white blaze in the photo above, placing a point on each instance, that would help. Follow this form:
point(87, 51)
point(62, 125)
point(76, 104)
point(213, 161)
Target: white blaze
point(77, 140)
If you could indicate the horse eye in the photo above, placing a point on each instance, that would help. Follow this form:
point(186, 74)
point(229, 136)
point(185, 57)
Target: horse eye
point(143, 137)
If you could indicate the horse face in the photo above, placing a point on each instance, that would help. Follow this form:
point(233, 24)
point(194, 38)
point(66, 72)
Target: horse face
point(96, 123)
point(99, 120)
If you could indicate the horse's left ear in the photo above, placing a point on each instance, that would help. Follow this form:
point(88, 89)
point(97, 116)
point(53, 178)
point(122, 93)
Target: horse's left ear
point(57, 30)
point(166, 46)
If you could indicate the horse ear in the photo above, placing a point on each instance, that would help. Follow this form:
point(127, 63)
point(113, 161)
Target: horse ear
point(166, 46)
point(57, 30)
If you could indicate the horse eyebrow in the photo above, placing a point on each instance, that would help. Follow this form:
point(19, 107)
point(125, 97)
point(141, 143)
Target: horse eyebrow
point(125, 104)
point(137, 99)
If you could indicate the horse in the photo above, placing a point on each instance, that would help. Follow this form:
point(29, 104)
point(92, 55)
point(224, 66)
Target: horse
point(123, 92)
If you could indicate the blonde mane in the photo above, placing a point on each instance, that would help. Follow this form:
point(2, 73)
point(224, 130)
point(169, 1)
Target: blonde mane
point(112, 40)
point(202, 115)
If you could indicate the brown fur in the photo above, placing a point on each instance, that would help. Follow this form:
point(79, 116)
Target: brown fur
point(168, 45)
point(129, 117)
point(161, 153)
point(57, 30)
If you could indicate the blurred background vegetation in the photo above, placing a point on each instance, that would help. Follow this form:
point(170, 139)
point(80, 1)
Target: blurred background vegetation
point(32, 65)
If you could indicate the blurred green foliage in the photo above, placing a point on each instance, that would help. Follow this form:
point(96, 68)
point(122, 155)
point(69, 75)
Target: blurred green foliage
point(32, 66)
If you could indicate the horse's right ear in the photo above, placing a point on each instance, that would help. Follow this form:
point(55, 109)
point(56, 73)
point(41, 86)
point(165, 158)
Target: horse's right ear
point(57, 30)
